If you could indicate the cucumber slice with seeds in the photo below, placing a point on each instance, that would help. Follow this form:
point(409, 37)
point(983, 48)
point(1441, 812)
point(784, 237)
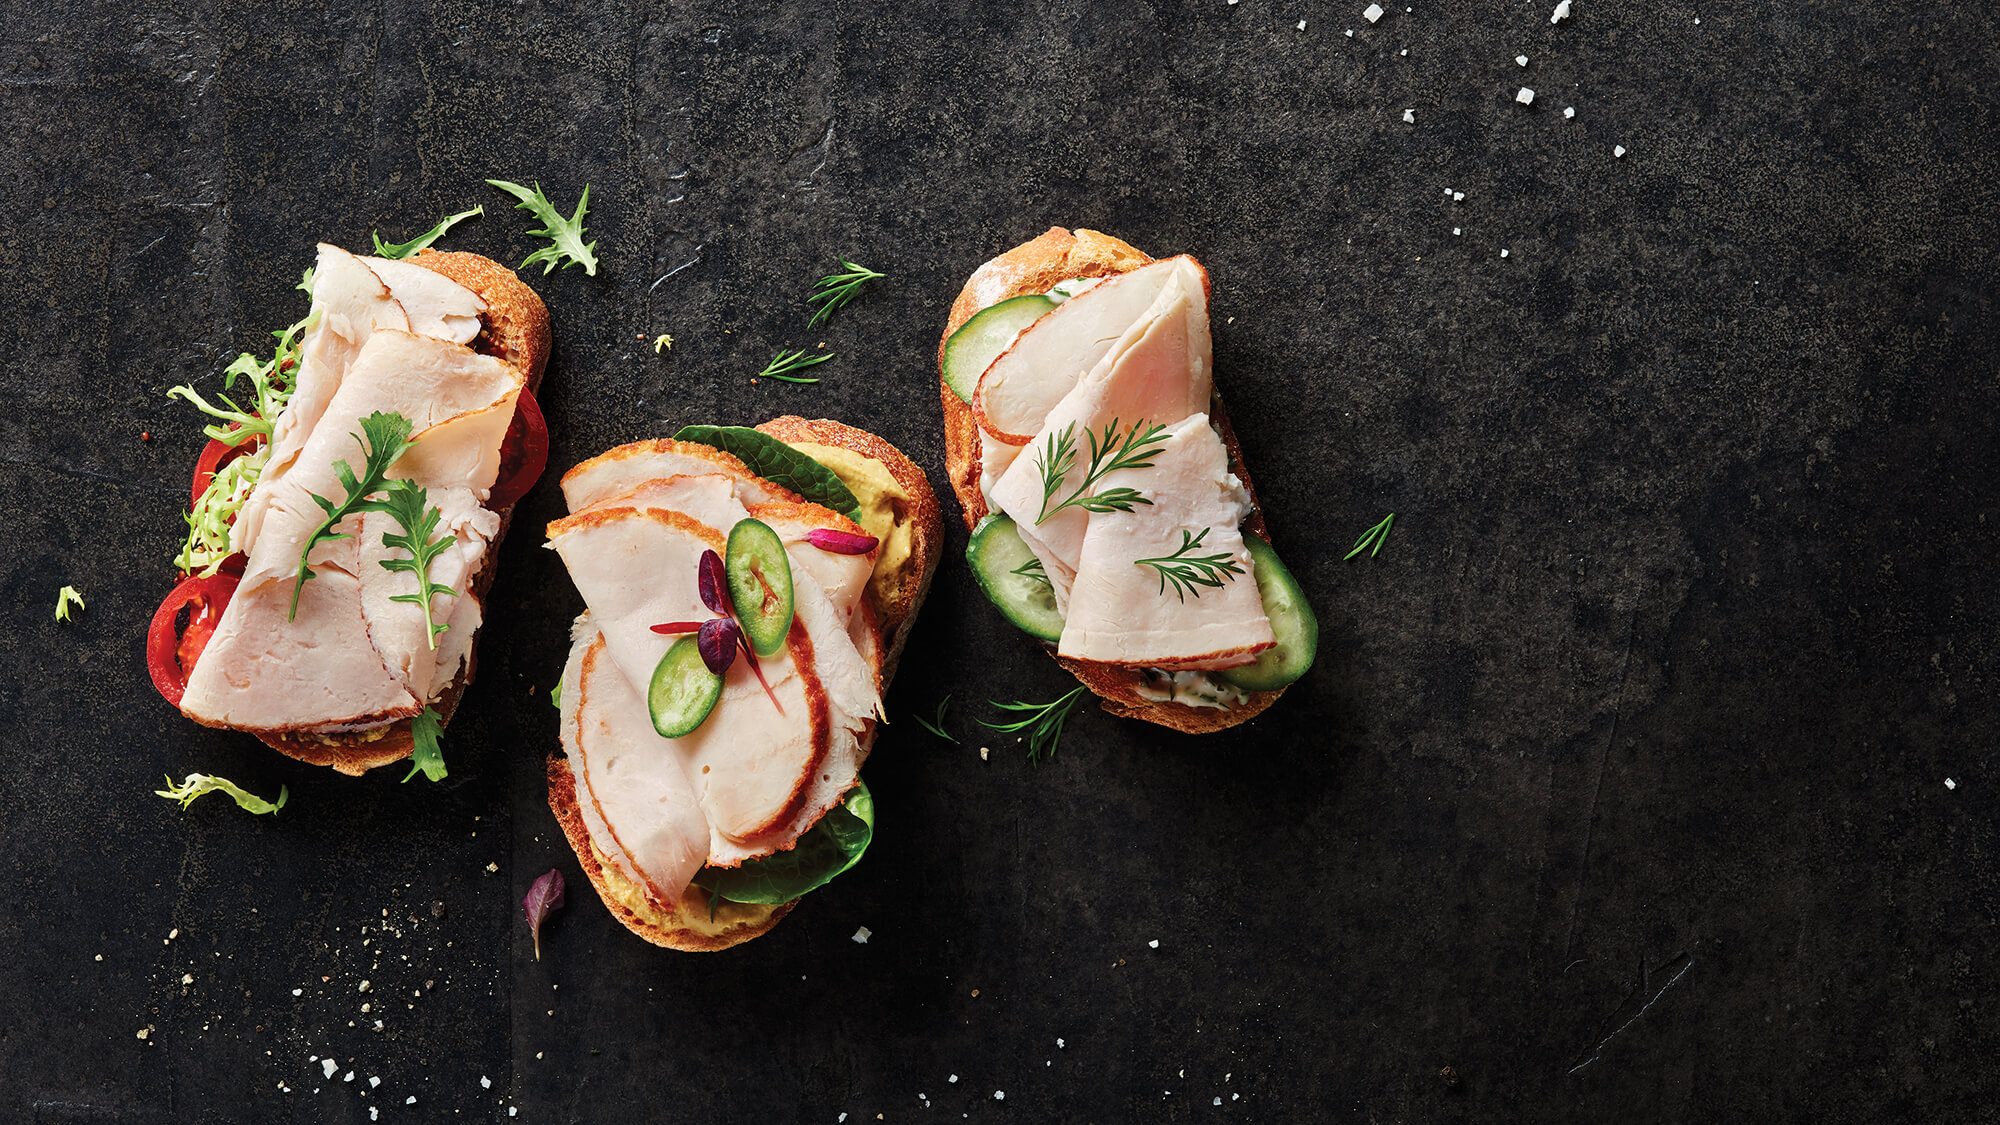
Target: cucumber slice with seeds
point(683, 690)
point(1012, 577)
point(760, 584)
point(980, 340)
point(1291, 619)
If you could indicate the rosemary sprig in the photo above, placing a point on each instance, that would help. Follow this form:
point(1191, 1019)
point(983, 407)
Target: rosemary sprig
point(1044, 723)
point(426, 756)
point(1108, 454)
point(837, 289)
point(408, 503)
point(935, 725)
point(791, 361)
point(1372, 539)
point(1034, 569)
point(405, 249)
point(383, 438)
point(1189, 573)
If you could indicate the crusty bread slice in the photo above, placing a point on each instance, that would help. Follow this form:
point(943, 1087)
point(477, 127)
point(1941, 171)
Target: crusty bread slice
point(514, 328)
point(1036, 266)
point(895, 596)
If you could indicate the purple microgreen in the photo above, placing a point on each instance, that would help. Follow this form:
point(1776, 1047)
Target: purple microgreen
point(841, 542)
point(545, 896)
point(718, 641)
point(714, 584)
point(673, 628)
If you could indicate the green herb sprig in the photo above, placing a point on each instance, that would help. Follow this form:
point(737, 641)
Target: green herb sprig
point(1033, 569)
point(1044, 723)
point(383, 438)
point(198, 784)
point(405, 249)
point(1372, 539)
point(1108, 454)
point(427, 756)
point(408, 503)
point(565, 235)
point(271, 383)
point(1190, 573)
point(786, 361)
point(935, 724)
point(835, 290)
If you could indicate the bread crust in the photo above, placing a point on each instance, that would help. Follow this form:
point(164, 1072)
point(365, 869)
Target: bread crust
point(1036, 266)
point(514, 329)
point(687, 929)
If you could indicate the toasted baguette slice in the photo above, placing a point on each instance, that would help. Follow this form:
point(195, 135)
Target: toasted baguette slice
point(514, 328)
point(1036, 266)
point(895, 593)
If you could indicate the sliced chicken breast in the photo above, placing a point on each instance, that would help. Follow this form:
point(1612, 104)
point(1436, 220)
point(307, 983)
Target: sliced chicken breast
point(627, 467)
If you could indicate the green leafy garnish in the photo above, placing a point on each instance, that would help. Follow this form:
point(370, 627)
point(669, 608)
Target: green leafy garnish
point(383, 438)
point(1033, 569)
point(555, 694)
point(405, 249)
point(828, 848)
point(1107, 455)
point(835, 290)
point(791, 361)
point(207, 545)
point(65, 598)
point(935, 725)
point(271, 383)
point(1189, 573)
point(778, 463)
point(425, 730)
point(566, 235)
point(409, 504)
point(1373, 536)
point(198, 784)
point(1044, 723)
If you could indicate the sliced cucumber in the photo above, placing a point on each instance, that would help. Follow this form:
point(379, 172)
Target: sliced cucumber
point(970, 349)
point(1291, 619)
point(760, 584)
point(1012, 577)
point(683, 690)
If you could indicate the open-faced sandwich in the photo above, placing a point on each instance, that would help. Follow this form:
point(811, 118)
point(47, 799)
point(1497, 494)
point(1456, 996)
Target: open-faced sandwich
point(346, 518)
point(748, 594)
point(1111, 514)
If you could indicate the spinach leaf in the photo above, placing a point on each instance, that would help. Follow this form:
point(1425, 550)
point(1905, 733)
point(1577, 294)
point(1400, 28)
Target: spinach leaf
point(778, 463)
point(827, 849)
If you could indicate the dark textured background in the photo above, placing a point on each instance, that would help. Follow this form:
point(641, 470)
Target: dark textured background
point(1619, 787)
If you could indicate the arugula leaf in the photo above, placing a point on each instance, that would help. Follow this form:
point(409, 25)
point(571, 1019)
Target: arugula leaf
point(566, 234)
point(778, 463)
point(198, 784)
point(425, 730)
point(409, 504)
point(383, 438)
point(405, 249)
point(828, 848)
point(65, 598)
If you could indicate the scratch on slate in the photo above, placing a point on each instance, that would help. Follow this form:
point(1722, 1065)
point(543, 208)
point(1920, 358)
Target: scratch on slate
point(87, 474)
point(1598, 1051)
point(1590, 820)
point(677, 269)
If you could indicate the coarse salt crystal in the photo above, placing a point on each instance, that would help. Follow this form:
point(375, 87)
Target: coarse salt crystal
point(485, 1083)
point(143, 1032)
point(1405, 51)
point(953, 1078)
point(1569, 111)
point(1410, 115)
point(187, 978)
point(1454, 230)
point(999, 1095)
point(1059, 1044)
point(298, 992)
point(1457, 197)
point(1350, 33)
point(1302, 25)
point(328, 1066)
point(862, 934)
point(1373, 13)
point(1618, 150)
point(1525, 97)
point(348, 1077)
point(1562, 12)
point(411, 1100)
point(374, 1080)
point(513, 1111)
point(1217, 1101)
point(374, 1113)
point(1503, 253)
point(1520, 60)
point(1154, 944)
point(1950, 784)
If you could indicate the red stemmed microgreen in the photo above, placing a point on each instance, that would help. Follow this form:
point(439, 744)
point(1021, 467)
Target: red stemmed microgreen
point(721, 637)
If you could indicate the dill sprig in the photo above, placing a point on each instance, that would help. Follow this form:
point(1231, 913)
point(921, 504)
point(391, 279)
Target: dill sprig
point(383, 438)
point(1372, 539)
point(835, 290)
point(1108, 454)
point(1034, 569)
point(408, 503)
point(1044, 723)
point(935, 724)
point(791, 361)
point(1189, 573)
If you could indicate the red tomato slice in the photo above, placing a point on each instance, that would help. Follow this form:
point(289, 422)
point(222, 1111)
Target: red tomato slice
point(172, 650)
point(213, 458)
point(523, 455)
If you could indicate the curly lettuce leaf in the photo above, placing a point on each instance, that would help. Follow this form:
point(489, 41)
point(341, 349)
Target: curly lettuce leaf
point(826, 850)
point(566, 235)
point(198, 784)
point(271, 383)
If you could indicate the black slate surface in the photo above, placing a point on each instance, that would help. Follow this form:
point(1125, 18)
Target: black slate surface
point(1619, 788)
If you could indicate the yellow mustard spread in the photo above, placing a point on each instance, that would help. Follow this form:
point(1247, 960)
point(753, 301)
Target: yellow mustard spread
point(885, 507)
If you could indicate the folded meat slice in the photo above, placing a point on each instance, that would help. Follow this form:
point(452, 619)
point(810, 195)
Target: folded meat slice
point(396, 628)
point(1024, 383)
point(436, 305)
point(1125, 612)
point(1158, 373)
point(627, 467)
point(632, 790)
point(266, 671)
point(750, 762)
